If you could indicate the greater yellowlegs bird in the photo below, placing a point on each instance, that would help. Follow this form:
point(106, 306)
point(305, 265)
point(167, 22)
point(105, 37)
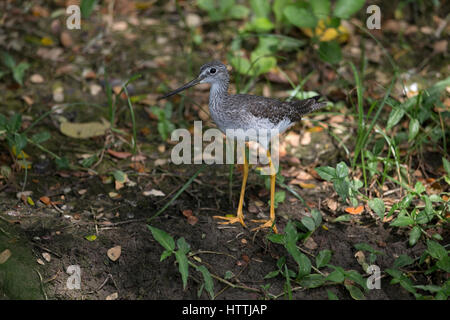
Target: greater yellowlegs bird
point(248, 112)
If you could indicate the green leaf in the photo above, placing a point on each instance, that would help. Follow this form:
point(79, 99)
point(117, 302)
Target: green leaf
point(239, 12)
point(321, 8)
point(183, 266)
point(300, 17)
point(436, 250)
point(19, 71)
point(356, 277)
point(280, 196)
point(260, 8)
point(326, 173)
point(41, 137)
point(341, 170)
point(346, 8)
point(364, 247)
point(403, 261)
point(431, 288)
point(355, 292)
point(317, 216)
point(278, 7)
point(322, 258)
point(377, 205)
point(342, 188)
point(312, 281)
point(14, 123)
point(86, 7)
point(163, 238)
point(183, 246)
point(62, 163)
point(276, 238)
point(394, 117)
point(260, 24)
point(419, 187)
point(92, 237)
point(344, 217)
point(8, 60)
point(446, 165)
point(209, 284)
point(20, 142)
point(336, 276)
point(331, 295)
point(120, 176)
point(402, 221)
point(330, 51)
point(414, 126)
point(414, 235)
point(308, 223)
point(444, 264)
point(165, 254)
point(271, 274)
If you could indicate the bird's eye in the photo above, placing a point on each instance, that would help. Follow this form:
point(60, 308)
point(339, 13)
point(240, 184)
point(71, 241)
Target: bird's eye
point(212, 70)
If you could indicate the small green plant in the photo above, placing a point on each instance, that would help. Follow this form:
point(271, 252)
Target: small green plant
point(223, 10)
point(182, 258)
point(165, 125)
point(436, 258)
point(17, 70)
point(304, 276)
point(345, 188)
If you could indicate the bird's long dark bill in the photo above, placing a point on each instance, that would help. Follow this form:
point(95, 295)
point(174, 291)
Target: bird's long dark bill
point(184, 87)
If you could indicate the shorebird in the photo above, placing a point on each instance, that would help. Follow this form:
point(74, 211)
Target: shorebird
point(248, 112)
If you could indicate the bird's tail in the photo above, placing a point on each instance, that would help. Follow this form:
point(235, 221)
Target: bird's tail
point(308, 105)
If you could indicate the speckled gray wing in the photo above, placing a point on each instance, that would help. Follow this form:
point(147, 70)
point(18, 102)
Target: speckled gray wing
point(276, 110)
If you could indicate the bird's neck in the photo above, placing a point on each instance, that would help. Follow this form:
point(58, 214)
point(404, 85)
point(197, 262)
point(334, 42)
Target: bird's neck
point(218, 91)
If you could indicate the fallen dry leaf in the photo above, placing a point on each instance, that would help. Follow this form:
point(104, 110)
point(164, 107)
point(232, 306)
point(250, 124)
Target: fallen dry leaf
point(119, 154)
point(153, 192)
point(4, 256)
point(357, 210)
point(36, 78)
point(114, 253)
point(45, 200)
point(192, 220)
point(187, 213)
point(112, 296)
point(47, 256)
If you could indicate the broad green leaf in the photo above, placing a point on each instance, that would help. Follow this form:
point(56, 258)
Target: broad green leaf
point(260, 24)
point(446, 165)
point(92, 237)
point(209, 284)
point(278, 7)
point(331, 295)
point(276, 238)
point(183, 266)
point(414, 235)
point(300, 17)
point(402, 221)
point(431, 288)
point(344, 217)
point(336, 276)
point(377, 205)
point(403, 261)
point(414, 126)
point(62, 163)
point(342, 188)
point(436, 250)
point(419, 187)
point(444, 264)
point(317, 217)
point(341, 170)
point(239, 12)
point(355, 292)
point(163, 238)
point(326, 173)
point(120, 176)
point(346, 8)
point(165, 254)
point(241, 65)
point(280, 196)
point(260, 8)
point(41, 137)
point(364, 247)
point(356, 277)
point(322, 258)
point(312, 280)
point(86, 7)
point(20, 142)
point(183, 246)
point(19, 71)
point(206, 5)
point(308, 223)
point(8, 60)
point(14, 122)
point(394, 117)
point(321, 8)
point(330, 51)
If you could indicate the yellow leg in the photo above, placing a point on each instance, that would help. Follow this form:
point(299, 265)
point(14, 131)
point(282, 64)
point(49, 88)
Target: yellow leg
point(271, 222)
point(240, 215)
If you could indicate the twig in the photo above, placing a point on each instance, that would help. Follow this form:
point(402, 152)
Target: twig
point(42, 284)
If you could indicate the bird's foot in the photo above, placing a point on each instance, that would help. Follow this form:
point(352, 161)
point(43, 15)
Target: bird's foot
point(230, 220)
point(265, 224)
